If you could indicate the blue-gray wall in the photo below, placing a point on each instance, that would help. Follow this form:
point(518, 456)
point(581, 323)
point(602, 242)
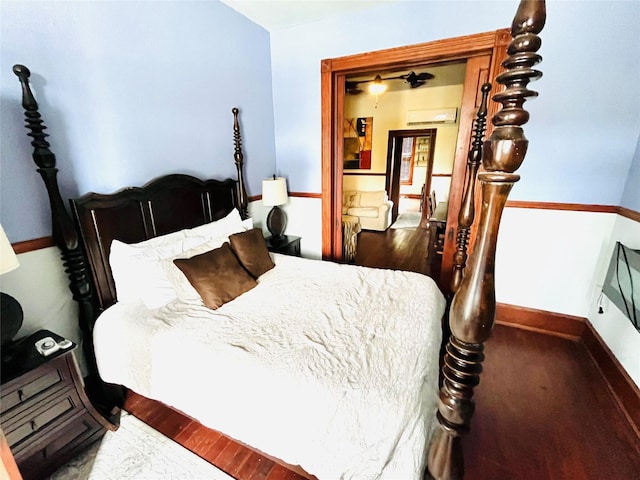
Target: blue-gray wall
point(584, 126)
point(129, 90)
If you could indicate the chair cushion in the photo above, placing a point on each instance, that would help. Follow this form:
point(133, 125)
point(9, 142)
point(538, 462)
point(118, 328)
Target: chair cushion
point(372, 199)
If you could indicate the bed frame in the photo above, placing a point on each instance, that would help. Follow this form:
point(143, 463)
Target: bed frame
point(176, 201)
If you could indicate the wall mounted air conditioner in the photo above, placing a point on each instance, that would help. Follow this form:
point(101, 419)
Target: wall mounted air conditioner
point(438, 115)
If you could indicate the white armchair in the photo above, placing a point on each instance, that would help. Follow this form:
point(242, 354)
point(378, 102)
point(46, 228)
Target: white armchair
point(374, 209)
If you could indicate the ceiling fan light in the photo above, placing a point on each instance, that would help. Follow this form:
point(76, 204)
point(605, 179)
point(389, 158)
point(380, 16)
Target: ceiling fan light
point(377, 87)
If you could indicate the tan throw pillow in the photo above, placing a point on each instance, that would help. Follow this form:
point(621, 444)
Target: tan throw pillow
point(217, 276)
point(251, 249)
point(351, 199)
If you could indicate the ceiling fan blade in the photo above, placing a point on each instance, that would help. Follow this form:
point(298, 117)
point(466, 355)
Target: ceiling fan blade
point(351, 88)
point(425, 76)
point(417, 80)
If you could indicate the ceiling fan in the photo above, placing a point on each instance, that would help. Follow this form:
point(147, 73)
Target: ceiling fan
point(412, 78)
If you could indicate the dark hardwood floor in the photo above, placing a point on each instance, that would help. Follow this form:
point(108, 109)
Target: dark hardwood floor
point(543, 409)
point(401, 249)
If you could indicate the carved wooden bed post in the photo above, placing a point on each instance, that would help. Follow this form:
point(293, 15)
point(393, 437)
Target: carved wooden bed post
point(468, 209)
point(64, 232)
point(472, 312)
point(239, 159)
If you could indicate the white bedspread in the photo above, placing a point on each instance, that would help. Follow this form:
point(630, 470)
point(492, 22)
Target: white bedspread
point(327, 366)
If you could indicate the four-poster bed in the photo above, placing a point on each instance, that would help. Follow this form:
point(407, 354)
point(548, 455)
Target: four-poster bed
point(181, 205)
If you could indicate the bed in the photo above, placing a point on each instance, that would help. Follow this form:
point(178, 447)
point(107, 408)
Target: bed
point(348, 362)
point(327, 375)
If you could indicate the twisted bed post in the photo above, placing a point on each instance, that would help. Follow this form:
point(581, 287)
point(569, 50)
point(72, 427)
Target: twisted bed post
point(64, 231)
point(472, 312)
point(468, 208)
point(239, 160)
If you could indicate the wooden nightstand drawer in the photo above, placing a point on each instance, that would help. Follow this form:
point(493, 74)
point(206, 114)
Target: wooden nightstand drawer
point(48, 414)
point(20, 391)
point(60, 445)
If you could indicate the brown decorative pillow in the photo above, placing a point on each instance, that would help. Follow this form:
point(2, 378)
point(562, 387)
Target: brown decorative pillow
point(251, 250)
point(217, 276)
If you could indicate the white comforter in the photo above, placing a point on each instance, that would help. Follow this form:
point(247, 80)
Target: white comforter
point(327, 366)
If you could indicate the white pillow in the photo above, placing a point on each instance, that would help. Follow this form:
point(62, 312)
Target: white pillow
point(217, 228)
point(160, 242)
point(136, 273)
point(138, 270)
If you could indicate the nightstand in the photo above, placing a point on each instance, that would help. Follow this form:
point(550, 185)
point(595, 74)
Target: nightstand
point(45, 414)
point(287, 244)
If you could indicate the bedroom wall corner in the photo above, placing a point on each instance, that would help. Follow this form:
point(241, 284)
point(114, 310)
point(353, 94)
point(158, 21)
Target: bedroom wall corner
point(547, 259)
point(304, 219)
point(631, 195)
point(563, 270)
point(612, 325)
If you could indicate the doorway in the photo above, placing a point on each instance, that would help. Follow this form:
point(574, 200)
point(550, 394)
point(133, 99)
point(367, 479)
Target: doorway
point(483, 53)
point(409, 168)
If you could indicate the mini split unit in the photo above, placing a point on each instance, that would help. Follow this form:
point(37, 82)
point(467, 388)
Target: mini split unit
point(438, 115)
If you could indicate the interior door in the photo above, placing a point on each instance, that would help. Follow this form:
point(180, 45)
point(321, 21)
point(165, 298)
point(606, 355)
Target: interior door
point(392, 183)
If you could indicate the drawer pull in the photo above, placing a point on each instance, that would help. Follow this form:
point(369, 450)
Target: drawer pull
point(34, 427)
point(20, 395)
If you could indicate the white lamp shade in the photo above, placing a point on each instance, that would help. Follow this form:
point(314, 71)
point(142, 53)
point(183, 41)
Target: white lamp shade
point(8, 259)
point(274, 192)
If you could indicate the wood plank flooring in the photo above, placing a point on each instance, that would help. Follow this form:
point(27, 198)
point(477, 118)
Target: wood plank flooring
point(402, 249)
point(228, 455)
point(543, 410)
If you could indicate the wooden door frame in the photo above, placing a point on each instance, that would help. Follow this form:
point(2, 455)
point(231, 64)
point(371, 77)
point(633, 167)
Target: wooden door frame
point(332, 74)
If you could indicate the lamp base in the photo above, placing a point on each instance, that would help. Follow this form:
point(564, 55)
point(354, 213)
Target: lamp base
point(11, 313)
point(276, 222)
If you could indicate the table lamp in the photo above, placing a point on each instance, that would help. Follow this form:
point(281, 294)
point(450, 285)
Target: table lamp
point(274, 193)
point(10, 310)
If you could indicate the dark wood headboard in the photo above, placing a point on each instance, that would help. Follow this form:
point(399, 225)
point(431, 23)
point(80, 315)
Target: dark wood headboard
point(166, 204)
